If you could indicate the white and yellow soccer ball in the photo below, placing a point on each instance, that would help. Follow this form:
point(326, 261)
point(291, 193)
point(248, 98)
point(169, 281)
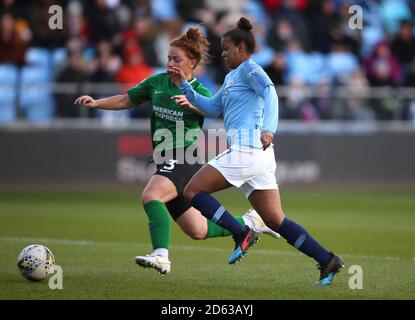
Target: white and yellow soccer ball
point(35, 262)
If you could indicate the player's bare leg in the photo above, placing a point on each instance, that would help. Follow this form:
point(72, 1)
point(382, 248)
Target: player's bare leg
point(193, 223)
point(208, 179)
point(268, 205)
point(159, 188)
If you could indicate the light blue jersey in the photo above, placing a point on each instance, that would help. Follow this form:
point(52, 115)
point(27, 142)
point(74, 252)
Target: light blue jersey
point(248, 101)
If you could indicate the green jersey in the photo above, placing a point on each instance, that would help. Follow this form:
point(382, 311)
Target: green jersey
point(167, 116)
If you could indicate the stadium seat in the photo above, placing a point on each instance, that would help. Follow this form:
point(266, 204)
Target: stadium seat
point(264, 56)
point(41, 111)
point(7, 94)
point(7, 112)
point(305, 66)
point(58, 56)
point(35, 75)
point(164, 9)
point(371, 35)
point(37, 103)
point(8, 80)
point(341, 64)
point(36, 93)
point(8, 74)
point(317, 65)
point(38, 57)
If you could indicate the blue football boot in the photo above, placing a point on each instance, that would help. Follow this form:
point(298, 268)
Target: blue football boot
point(245, 241)
point(328, 271)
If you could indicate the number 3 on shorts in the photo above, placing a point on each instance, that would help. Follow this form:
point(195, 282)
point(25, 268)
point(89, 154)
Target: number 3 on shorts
point(169, 167)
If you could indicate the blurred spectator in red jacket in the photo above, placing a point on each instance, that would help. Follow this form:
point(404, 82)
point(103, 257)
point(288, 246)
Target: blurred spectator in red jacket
point(134, 68)
point(14, 39)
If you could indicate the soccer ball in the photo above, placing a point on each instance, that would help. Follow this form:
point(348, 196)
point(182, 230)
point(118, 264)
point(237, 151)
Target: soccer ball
point(35, 262)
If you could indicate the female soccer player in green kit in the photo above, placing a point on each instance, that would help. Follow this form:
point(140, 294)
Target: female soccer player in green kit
point(164, 192)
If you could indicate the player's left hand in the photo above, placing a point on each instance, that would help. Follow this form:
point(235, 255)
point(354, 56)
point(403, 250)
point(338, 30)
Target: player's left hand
point(266, 139)
point(181, 100)
point(176, 75)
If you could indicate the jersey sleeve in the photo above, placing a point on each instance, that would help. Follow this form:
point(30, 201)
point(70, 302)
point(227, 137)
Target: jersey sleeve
point(203, 91)
point(257, 78)
point(260, 82)
point(212, 107)
point(142, 92)
point(270, 109)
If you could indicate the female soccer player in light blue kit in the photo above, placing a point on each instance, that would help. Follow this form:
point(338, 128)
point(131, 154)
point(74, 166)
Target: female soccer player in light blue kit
point(249, 104)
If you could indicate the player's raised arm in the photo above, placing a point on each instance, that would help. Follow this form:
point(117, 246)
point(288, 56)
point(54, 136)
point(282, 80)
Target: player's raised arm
point(117, 102)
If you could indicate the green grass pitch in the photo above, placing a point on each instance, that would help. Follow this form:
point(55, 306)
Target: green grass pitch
point(96, 235)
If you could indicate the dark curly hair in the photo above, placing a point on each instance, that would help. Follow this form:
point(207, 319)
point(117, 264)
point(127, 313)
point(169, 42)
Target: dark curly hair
point(242, 32)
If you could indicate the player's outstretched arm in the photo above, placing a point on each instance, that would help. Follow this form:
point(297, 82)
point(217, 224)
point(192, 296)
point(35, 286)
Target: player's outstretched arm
point(117, 102)
point(211, 107)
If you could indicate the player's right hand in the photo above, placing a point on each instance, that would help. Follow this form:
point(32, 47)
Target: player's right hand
point(86, 101)
point(176, 75)
point(266, 139)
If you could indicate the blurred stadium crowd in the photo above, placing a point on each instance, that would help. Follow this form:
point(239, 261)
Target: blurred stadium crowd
point(323, 69)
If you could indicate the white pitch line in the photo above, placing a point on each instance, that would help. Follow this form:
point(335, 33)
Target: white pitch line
point(180, 247)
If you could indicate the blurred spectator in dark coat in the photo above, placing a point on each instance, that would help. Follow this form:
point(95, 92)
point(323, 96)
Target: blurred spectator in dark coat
point(104, 75)
point(74, 75)
point(403, 45)
point(39, 17)
point(339, 37)
point(410, 78)
point(409, 112)
point(104, 52)
point(288, 11)
point(323, 19)
point(16, 7)
point(189, 10)
point(277, 71)
point(281, 33)
point(215, 30)
point(103, 21)
point(140, 7)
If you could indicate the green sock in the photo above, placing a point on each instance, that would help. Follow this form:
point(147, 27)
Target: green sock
point(158, 224)
point(215, 230)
